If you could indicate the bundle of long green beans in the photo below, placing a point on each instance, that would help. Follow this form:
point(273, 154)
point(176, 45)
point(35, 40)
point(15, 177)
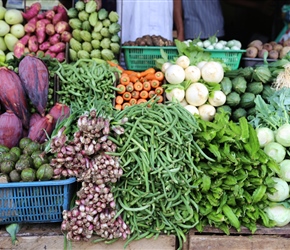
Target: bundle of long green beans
point(182, 173)
point(84, 80)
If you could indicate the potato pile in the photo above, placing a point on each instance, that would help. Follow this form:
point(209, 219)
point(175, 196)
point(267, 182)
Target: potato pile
point(150, 40)
point(257, 48)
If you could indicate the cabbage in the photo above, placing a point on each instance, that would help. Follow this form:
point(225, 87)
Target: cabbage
point(107, 55)
point(276, 151)
point(279, 214)
point(91, 6)
point(115, 47)
point(105, 32)
point(114, 28)
point(283, 135)
point(113, 16)
point(105, 43)
point(96, 53)
point(103, 14)
point(282, 190)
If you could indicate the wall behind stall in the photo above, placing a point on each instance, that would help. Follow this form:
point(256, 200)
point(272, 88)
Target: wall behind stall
point(246, 24)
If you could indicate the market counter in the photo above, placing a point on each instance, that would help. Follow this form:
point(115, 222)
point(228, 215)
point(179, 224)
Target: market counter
point(263, 239)
point(50, 237)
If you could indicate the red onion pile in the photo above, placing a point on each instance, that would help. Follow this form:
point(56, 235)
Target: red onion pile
point(85, 158)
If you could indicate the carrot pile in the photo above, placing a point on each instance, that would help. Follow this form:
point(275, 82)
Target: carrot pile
point(137, 87)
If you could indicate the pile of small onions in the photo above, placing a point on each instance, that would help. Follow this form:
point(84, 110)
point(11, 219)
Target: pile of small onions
point(85, 158)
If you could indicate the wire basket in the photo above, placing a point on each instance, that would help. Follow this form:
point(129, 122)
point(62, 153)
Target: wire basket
point(35, 202)
point(231, 58)
point(140, 58)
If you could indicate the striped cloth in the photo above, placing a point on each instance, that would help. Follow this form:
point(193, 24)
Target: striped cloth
point(202, 18)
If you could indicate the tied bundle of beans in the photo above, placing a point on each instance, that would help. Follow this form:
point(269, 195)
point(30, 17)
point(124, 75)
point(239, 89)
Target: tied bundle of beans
point(85, 157)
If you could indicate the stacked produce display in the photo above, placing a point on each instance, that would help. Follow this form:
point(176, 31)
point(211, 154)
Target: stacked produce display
point(188, 142)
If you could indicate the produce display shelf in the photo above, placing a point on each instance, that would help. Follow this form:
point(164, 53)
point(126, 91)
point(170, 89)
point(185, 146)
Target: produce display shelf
point(251, 62)
point(35, 202)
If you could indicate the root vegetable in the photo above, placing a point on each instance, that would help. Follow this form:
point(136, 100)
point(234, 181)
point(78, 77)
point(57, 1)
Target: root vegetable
point(18, 49)
point(24, 39)
point(286, 43)
point(54, 39)
point(256, 43)
point(32, 11)
point(284, 51)
point(61, 26)
point(29, 27)
point(278, 47)
point(262, 52)
point(44, 46)
point(60, 56)
point(267, 46)
point(49, 29)
point(251, 52)
point(51, 54)
point(58, 47)
point(40, 31)
point(273, 54)
point(33, 44)
point(65, 36)
point(49, 14)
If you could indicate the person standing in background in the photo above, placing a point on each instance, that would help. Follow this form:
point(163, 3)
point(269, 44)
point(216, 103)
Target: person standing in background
point(149, 17)
point(202, 19)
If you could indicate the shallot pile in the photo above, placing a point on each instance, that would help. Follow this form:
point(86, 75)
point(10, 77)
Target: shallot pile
point(85, 158)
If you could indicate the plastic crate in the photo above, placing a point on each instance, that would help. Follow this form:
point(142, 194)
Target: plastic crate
point(140, 58)
point(35, 202)
point(231, 58)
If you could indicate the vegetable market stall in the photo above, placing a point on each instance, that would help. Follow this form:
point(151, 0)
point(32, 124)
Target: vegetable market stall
point(149, 171)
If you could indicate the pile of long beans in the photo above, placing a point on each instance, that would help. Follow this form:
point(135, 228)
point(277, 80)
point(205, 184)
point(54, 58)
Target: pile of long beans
point(84, 80)
point(181, 173)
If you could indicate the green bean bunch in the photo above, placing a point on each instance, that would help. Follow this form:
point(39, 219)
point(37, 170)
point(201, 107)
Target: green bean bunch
point(84, 80)
point(155, 193)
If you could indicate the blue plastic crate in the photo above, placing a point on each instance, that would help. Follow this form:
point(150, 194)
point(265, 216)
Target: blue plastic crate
point(35, 202)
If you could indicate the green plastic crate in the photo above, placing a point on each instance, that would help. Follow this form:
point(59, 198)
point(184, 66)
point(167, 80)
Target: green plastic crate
point(140, 58)
point(231, 58)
